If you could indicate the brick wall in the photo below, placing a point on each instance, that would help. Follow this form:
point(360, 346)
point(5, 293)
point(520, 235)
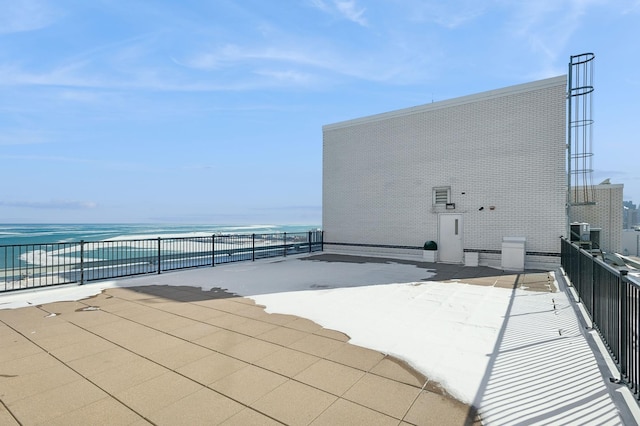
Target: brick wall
point(605, 214)
point(502, 151)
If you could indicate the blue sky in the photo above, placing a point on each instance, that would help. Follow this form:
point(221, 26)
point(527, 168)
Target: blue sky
point(212, 111)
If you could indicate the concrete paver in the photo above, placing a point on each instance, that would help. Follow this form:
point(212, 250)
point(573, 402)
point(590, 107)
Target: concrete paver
point(248, 384)
point(317, 345)
point(357, 357)
point(330, 376)
point(346, 412)
point(152, 395)
point(384, 395)
point(189, 410)
point(283, 336)
point(211, 368)
point(249, 416)
point(55, 402)
point(433, 409)
point(106, 411)
point(309, 402)
point(252, 350)
point(287, 362)
point(399, 371)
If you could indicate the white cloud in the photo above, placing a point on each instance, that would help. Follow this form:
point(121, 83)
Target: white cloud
point(80, 96)
point(143, 63)
point(53, 204)
point(67, 75)
point(634, 7)
point(287, 76)
point(306, 62)
point(21, 137)
point(25, 15)
point(346, 9)
point(47, 158)
point(351, 11)
point(548, 25)
point(320, 4)
point(233, 54)
point(449, 15)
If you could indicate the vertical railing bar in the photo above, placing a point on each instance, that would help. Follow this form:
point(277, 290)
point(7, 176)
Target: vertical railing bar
point(624, 330)
point(46, 261)
point(33, 265)
point(124, 259)
point(13, 265)
point(81, 262)
point(20, 273)
point(213, 250)
point(120, 264)
point(4, 268)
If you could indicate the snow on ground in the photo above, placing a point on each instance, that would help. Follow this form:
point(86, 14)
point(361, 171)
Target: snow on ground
point(444, 330)
point(520, 356)
point(40, 296)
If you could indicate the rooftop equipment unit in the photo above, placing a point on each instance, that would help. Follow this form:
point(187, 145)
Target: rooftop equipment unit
point(580, 232)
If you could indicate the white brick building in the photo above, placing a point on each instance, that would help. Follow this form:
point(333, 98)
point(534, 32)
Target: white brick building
point(604, 216)
point(465, 173)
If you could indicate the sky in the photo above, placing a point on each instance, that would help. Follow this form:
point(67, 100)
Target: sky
point(212, 111)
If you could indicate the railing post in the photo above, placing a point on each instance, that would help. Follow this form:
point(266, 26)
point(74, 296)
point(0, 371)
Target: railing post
point(284, 244)
point(595, 315)
point(321, 240)
point(309, 239)
point(159, 254)
point(213, 250)
point(624, 327)
point(81, 262)
point(579, 273)
point(253, 247)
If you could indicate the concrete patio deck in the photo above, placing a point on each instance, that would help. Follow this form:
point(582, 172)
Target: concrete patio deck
point(157, 349)
point(179, 355)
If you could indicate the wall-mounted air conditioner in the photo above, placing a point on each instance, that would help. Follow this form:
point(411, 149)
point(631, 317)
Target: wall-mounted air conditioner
point(580, 232)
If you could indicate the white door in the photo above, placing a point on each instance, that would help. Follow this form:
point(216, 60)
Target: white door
point(450, 248)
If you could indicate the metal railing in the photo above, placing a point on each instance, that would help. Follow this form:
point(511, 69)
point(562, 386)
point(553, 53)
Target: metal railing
point(41, 265)
point(612, 300)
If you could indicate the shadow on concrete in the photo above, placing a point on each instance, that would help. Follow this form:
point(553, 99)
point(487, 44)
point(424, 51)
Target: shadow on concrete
point(314, 272)
point(443, 271)
point(532, 350)
point(182, 293)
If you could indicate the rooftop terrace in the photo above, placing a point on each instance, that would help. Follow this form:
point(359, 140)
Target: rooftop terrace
point(343, 340)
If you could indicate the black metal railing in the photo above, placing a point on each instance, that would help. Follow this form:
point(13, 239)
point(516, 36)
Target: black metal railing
point(42, 265)
point(612, 300)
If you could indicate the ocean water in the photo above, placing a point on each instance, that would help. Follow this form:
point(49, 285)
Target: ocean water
point(14, 234)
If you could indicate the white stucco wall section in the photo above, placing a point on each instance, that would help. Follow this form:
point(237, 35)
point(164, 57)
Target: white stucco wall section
point(503, 149)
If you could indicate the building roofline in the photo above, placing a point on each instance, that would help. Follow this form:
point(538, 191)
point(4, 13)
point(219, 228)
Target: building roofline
point(601, 186)
point(609, 185)
point(510, 90)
